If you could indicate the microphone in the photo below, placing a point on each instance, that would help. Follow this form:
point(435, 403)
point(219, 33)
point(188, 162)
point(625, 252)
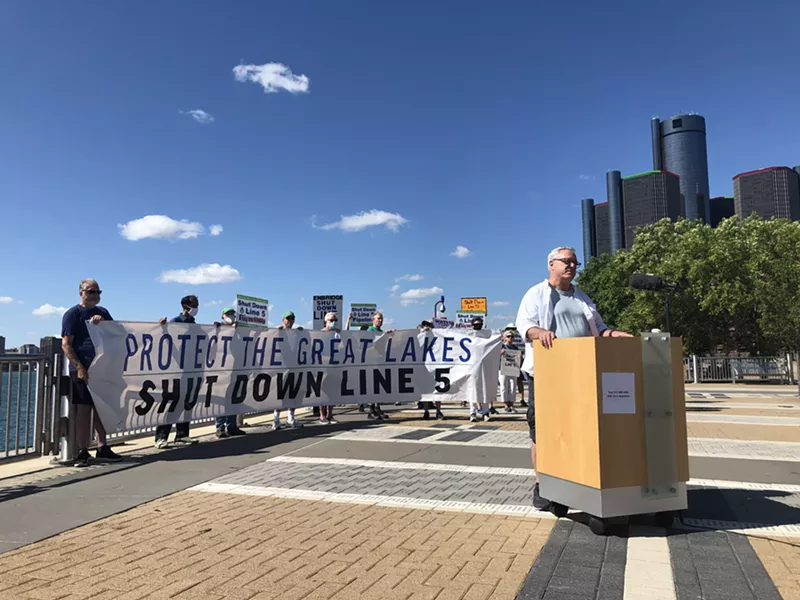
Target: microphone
point(646, 281)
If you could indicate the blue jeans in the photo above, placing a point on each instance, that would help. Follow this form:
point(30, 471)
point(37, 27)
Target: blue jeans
point(228, 422)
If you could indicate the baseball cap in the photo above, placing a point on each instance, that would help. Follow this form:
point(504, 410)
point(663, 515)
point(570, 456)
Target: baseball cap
point(426, 324)
point(225, 311)
point(477, 320)
point(288, 315)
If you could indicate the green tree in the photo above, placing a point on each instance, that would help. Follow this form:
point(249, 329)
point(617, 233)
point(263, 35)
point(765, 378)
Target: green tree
point(738, 284)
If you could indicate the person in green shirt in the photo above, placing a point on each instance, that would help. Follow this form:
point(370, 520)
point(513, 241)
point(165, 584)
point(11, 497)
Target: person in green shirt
point(375, 411)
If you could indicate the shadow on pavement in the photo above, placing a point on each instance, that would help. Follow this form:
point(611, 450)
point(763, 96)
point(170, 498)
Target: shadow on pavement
point(764, 507)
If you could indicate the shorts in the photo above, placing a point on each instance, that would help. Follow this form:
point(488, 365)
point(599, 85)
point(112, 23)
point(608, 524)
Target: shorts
point(80, 391)
point(530, 414)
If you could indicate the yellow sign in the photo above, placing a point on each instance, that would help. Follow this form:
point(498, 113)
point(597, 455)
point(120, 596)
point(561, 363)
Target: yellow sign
point(474, 304)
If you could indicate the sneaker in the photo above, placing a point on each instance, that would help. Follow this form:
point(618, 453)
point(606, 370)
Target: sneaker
point(82, 459)
point(473, 418)
point(236, 431)
point(507, 409)
point(294, 424)
point(486, 417)
point(398, 403)
point(221, 433)
point(373, 415)
point(523, 404)
point(463, 404)
point(511, 409)
point(426, 415)
point(333, 422)
point(439, 416)
point(361, 407)
point(493, 411)
point(106, 454)
point(383, 414)
point(539, 503)
point(184, 441)
point(162, 444)
point(323, 421)
point(276, 426)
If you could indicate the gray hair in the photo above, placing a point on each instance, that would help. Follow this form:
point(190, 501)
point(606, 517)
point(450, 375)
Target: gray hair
point(556, 251)
point(87, 282)
point(376, 313)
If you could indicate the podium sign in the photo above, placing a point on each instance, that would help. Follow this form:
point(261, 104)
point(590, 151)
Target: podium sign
point(611, 424)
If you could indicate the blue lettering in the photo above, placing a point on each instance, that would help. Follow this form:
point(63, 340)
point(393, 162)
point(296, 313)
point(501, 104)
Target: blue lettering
point(389, 358)
point(348, 352)
point(183, 338)
point(226, 339)
point(447, 348)
point(165, 356)
point(302, 357)
point(198, 364)
point(365, 342)
point(427, 349)
point(274, 357)
point(317, 346)
point(211, 357)
point(334, 351)
point(260, 351)
point(247, 341)
point(410, 350)
point(147, 348)
point(465, 344)
point(131, 351)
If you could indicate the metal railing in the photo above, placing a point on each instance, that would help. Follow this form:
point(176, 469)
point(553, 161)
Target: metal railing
point(726, 369)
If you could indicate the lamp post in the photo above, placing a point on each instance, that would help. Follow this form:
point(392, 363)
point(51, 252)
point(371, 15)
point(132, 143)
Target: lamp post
point(436, 307)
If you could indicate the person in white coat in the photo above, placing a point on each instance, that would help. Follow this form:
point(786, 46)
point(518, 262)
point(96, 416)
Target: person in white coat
point(555, 308)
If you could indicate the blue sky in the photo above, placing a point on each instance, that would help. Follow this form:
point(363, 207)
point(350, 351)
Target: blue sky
point(480, 127)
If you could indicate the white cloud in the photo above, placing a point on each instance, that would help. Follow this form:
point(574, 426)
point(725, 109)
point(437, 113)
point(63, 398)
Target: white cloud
point(394, 288)
point(369, 218)
point(6, 299)
point(507, 318)
point(199, 115)
point(409, 278)
point(415, 296)
point(205, 273)
point(273, 77)
point(215, 229)
point(499, 303)
point(461, 252)
point(213, 303)
point(160, 227)
point(48, 310)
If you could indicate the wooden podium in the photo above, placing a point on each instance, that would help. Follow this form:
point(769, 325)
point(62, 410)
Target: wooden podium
point(611, 426)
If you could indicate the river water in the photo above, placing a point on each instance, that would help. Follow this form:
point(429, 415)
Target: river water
point(26, 418)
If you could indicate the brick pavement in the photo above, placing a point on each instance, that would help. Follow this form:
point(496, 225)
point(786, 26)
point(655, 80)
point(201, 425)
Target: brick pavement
point(217, 546)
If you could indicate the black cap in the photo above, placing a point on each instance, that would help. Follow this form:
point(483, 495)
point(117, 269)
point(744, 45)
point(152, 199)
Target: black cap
point(477, 320)
point(426, 324)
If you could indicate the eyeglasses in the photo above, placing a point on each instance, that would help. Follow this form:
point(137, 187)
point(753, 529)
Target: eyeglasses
point(98, 292)
point(333, 321)
point(568, 261)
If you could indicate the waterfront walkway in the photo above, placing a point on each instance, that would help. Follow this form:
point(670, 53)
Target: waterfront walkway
point(402, 509)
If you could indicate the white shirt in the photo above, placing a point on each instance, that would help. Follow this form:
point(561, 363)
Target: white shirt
point(536, 310)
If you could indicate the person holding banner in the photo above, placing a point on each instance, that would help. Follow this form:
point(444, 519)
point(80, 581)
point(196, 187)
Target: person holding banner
point(189, 308)
point(326, 412)
point(476, 408)
point(80, 352)
point(508, 381)
point(375, 411)
point(288, 323)
point(428, 326)
point(228, 425)
point(555, 308)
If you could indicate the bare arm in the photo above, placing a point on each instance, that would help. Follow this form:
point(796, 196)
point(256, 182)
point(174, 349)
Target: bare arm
point(72, 357)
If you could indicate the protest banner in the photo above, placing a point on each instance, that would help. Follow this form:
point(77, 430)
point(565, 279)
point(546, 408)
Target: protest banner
point(253, 312)
point(362, 314)
point(146, 374)
point(325, 304)
point(509, 363)
point(474, 305)
point(464, 318)
point(442, 323)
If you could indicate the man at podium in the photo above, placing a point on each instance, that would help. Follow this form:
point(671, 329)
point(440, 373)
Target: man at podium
point(555, 308)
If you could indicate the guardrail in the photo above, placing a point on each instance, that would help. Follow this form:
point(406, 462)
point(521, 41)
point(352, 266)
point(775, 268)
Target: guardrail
point(725, 369)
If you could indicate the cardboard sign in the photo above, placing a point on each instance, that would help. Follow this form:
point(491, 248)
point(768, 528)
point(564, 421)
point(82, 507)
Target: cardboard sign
point(509, 363)
point(362, 314)
point(253, 312)
point(325, 304)
point(474, 304)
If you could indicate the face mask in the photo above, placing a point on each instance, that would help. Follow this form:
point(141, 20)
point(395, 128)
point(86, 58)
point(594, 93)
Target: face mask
point(227, 320)
point(193, 312)
point(332, 324)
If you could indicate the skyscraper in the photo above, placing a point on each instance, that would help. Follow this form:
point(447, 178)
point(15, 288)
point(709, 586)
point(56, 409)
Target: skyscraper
point(770, 192)
point(615, 211)
point(589, 235)
point(722, 207)
point(679, 146)
point(602, 229)
point(649, 197)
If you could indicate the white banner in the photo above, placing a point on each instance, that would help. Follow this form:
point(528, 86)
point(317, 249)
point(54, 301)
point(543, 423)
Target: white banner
point(325, 304)
point(252, 311)
point(147, 374)
point(509, 363)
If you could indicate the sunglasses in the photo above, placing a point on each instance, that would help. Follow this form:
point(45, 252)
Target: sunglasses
point(568, 261)
point(98, 292)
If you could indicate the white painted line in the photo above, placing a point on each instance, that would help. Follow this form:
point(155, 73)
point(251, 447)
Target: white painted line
point(743, 420)
point(648, 569)
point(748, 405)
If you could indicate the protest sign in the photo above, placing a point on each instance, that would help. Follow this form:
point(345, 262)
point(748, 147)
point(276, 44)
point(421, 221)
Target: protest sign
point(464, 318)
point(474, 305)
point(362, 314)
point(442, 323)
point(509, 363)
point(325, 304)
point(146, 374)
point(253, 312)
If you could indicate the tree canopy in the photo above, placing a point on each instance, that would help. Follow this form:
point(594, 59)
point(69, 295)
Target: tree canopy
point(738, 284)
